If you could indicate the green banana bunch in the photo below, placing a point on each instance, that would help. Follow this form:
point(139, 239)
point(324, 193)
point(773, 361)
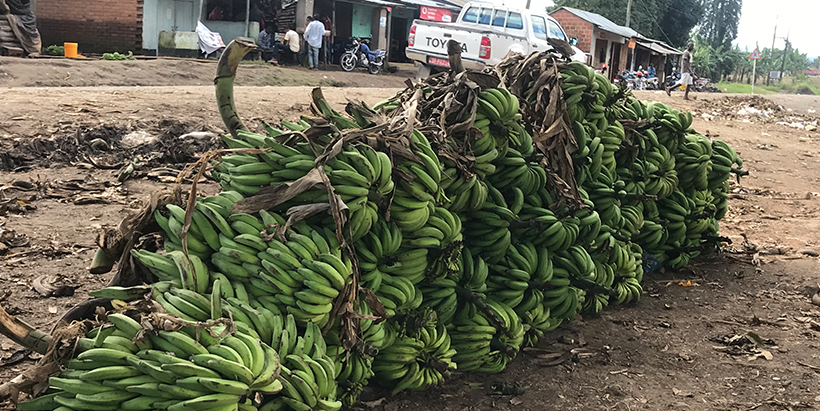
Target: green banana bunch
point(445, 229)
point(487, 344)
point(543, 228)
point(376, 252)
point(465, 192)
point(416, 363)
point(693, 162)
point(513, 170)
point(471, 261)
point(489, 229)
point(439, 294)
point(120, 366)
point(399, 294)
point(662, 176)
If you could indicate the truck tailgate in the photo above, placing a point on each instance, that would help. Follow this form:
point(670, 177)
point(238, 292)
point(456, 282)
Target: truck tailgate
point(432, 38)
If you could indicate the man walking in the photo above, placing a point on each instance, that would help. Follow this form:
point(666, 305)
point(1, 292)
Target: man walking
point(314, 32)
point(686, 72)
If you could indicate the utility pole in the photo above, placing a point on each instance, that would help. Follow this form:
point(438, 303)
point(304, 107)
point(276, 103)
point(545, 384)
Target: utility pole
point(628, 12)
point(783, 63)
point(774, 37)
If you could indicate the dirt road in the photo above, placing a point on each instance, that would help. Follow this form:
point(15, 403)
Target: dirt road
point(680, 347)
point(63, 72)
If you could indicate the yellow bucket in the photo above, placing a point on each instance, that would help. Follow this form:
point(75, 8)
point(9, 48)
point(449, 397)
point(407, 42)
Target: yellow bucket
point(70, 49)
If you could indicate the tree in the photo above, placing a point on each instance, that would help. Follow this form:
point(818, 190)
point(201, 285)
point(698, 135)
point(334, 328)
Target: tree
point(816, 62)
point(678, 20)
point(666, 20)
point(720, 21)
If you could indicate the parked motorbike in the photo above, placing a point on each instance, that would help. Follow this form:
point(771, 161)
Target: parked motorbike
point(703, 84)
point(358, 54)
point(653, 83)
point(672, 79)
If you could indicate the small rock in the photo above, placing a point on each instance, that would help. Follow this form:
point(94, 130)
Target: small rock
point(809, 252)
point(815, 299)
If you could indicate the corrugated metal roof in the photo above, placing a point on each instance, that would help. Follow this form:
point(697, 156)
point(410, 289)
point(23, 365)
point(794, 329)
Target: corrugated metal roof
point(602, 22)
point(658, 47)
point(433, 3)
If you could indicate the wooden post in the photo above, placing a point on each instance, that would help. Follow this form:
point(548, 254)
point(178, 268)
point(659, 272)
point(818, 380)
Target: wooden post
point(247, 18)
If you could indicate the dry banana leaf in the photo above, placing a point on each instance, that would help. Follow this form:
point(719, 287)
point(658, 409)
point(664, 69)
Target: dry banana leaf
point(53, 286)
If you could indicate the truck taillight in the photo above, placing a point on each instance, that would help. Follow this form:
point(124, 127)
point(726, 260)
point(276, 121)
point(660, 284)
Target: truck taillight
point(411, 39)
point(484, 50)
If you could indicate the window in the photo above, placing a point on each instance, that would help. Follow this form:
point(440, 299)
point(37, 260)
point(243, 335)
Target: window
point(539, 27)
point(555, 31)
point(514, 21)
point(486, 16)
point(471, 15)
point(500, 18)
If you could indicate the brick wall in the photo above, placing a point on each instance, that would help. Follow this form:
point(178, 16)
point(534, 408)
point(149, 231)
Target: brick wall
point(576, 27)
point(98, 26)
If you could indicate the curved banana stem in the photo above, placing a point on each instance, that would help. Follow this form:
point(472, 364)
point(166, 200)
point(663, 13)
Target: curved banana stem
point(225, 73)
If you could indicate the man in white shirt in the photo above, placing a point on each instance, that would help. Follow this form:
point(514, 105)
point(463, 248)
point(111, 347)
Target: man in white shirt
point(290, 44)
point(314, 32)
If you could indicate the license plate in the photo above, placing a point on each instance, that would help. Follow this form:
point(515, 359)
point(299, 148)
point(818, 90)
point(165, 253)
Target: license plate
point(439, 62)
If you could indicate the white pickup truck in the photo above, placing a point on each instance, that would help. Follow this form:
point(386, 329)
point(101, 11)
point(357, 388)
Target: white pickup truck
point(486, 31)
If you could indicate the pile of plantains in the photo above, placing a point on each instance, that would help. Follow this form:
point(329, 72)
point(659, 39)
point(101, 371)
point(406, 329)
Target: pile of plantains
point(443, 229)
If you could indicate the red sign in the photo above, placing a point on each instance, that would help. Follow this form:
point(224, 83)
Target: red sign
point(755, 55)
point(436, 14)
point(438, 62)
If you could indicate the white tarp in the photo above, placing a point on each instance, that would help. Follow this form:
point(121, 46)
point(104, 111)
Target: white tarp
point(209, 41)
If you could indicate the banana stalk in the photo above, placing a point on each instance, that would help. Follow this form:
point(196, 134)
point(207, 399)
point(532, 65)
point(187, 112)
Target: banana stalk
point(225, 73)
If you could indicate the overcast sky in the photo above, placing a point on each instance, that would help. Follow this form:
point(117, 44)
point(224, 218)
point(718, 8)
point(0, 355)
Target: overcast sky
point(797, 18)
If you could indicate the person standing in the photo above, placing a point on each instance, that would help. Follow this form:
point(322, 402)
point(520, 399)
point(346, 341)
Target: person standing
point(686, 72)
point(314, 32)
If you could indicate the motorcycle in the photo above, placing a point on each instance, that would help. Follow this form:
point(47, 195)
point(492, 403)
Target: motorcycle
point(653, 83)
point(703, 84)
point(633, 81)
point(358, 54)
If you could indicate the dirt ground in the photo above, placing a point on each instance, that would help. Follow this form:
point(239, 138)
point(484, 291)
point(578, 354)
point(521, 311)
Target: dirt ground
point(64, 72)
point(744, 335)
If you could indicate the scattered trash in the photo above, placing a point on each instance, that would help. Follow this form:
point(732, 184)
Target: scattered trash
point(756, 109)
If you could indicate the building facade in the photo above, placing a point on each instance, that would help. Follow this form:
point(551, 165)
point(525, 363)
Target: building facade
point(99, 25)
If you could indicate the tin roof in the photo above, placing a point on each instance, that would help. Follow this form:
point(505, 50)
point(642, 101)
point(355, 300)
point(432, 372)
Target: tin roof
point(602, 22)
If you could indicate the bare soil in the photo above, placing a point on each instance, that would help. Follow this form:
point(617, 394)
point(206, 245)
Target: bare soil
point(165, 71)
point(737, 331)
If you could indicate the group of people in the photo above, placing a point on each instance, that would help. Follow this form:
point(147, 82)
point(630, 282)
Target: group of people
point(315, 31)
point(686, 77)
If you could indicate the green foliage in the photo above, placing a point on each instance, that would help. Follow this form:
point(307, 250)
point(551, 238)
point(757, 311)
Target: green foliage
point(666, 20)
point(743, 88)
point(118, 56)
point(720, 21)
point(716, 63)
point(55, 50)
